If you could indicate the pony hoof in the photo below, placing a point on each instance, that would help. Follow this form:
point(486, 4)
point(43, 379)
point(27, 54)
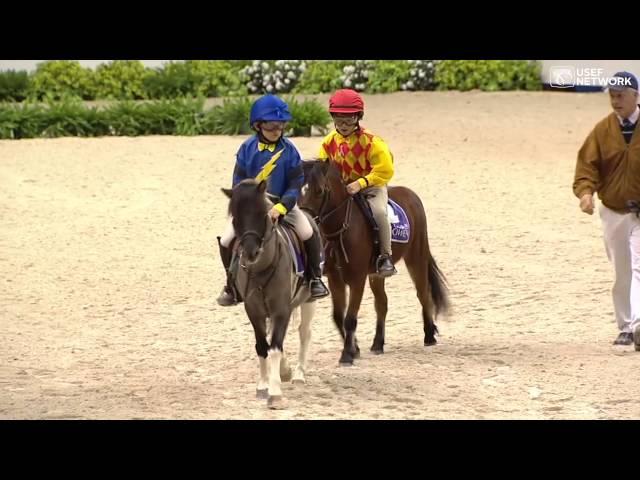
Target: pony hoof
point(298, 381)
point(285, 376)
point(430, 343)
point(345, 363)
point(377, 350)
point(262, 394)
point(275, 402)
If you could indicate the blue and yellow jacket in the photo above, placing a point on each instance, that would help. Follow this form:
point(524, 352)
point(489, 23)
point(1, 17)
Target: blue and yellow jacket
point(279, 164)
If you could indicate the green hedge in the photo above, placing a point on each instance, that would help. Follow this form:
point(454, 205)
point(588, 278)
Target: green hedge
point(184, 116)
point(130, 80)
point(489, 75)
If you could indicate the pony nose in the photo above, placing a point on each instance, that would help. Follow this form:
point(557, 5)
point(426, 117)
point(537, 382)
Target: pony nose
point(252, 254)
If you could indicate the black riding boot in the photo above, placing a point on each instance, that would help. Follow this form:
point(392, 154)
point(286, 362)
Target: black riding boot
point(385, 266)
point(316, 286)
point(228, 295)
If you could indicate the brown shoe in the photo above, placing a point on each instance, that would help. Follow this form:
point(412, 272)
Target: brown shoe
point(625, 338)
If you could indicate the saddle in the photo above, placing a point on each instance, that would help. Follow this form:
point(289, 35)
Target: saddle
point(296, 247)
point(399, 222)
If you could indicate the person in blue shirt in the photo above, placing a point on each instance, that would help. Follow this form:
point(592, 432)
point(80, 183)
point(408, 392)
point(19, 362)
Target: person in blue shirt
point(271, 157)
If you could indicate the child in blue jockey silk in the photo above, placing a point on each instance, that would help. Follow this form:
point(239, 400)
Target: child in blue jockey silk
point(269, 156)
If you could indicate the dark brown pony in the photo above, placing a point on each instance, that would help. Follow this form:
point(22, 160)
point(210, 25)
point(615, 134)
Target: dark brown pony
point(350, 256)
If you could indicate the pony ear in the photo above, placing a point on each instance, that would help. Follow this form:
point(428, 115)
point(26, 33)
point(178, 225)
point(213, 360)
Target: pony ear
point(262, 186)
point(227, 191)
point(307, 167)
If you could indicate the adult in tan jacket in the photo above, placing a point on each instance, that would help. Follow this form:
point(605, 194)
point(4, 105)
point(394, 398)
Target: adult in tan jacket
point(609, 165)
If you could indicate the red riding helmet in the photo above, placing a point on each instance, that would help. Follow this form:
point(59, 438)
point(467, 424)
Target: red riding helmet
point(346, 101)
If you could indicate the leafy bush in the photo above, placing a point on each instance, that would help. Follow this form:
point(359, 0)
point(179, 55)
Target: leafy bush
point(174, 79)
point(388, 76)
point(162, 117)
point(121, 80)
point(186, 116)
point(57, 78)
point(21, 121)
point(70, 118)
point(230, 118)
point(307, 115)
point(320, 76)
point(14, 86)
point(421, 75)
point(216, 78)
point(489, 75)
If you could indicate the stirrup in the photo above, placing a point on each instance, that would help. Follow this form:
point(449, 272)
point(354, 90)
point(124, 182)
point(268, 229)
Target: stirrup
point(318, 282)
point(385, 273)
point(227, 298)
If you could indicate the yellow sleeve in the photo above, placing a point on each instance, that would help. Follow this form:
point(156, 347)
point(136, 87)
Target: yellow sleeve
point(381, 161)
point(323, 155)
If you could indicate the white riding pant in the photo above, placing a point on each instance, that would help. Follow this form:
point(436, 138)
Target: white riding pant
point(294, 217)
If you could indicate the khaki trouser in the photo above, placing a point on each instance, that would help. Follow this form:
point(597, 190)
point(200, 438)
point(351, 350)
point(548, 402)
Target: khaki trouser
point(377, 198)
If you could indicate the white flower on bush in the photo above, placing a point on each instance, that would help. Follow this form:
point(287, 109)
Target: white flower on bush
point(357, 75)
point(279, 77)
point(421, 75)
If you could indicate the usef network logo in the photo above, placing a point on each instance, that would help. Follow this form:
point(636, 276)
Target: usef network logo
point(568, 77)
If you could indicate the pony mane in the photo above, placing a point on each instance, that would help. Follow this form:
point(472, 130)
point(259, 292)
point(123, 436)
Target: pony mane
point(316, 170)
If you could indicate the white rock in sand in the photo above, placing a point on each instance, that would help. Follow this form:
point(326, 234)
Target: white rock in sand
point(534, 392)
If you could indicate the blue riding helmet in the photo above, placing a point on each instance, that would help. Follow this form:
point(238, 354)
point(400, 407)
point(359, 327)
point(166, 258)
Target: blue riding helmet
point(269, 108)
